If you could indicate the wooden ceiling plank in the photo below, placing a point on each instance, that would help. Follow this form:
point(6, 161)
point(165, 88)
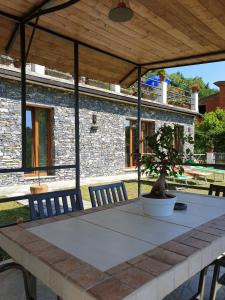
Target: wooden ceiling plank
point(213, 28)
point(172, 16)
point(162, 24)
point(137, 28)
point(109, 31)
point(103, 42)
point(116, 40)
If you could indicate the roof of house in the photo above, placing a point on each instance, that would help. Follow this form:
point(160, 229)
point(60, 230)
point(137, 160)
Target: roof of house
point(93, 91)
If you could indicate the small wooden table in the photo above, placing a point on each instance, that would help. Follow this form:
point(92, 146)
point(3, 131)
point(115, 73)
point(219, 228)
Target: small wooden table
point(116, 252)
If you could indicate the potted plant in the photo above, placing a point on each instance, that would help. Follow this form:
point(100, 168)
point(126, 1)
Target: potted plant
point(40, 188)
point(165, 161)
point(195, 87)
point(162, 75)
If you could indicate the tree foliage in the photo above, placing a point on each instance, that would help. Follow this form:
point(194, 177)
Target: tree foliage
point(166, 161)
point(210, 131)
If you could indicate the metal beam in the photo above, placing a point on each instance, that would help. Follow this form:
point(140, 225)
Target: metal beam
point(23, 91)
point(139, 129)
point(67, 38)
point(12, 38)
point(49, 10)
point(162, 62)
point(49, 31)
point(28, 170)
point(31, 39)
point(127, 75)
point(77, 107)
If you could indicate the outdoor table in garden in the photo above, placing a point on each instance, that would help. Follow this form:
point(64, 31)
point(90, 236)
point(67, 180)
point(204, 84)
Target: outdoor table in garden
point(116, 252)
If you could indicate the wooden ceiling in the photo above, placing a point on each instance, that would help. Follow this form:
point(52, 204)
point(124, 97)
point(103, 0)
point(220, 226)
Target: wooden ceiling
point(161, 34)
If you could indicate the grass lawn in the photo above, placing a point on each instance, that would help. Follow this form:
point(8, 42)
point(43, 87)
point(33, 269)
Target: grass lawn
point(131, 188)
point(9, 213)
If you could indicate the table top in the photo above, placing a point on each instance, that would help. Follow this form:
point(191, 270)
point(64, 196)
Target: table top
point(117, 252)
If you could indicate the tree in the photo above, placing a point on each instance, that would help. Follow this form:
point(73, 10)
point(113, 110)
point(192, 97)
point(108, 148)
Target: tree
point(210, 131)
point(166, 161)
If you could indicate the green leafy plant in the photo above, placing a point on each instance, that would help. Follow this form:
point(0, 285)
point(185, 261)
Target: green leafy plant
point(210, 131)
point(161, 72)
point(165, 160)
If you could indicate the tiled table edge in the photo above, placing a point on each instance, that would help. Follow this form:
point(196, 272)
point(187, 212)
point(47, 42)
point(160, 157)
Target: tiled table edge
point(127, 278)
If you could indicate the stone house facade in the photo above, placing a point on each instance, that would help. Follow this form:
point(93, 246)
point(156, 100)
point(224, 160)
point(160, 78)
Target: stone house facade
point(102, 145)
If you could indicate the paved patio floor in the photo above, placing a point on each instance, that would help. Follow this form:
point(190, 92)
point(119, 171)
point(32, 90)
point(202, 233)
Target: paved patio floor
point(22, 189)
point(12, 289)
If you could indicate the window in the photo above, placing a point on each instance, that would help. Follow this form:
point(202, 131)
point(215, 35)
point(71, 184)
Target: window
point(38, 135)
point(178, 138)
point(131, 139)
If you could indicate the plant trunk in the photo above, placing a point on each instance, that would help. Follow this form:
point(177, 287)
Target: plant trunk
point(159, 187)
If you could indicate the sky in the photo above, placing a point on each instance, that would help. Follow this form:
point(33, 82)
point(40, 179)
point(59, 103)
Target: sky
point(210, 73)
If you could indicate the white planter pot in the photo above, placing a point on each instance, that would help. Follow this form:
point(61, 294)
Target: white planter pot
point(156, 207)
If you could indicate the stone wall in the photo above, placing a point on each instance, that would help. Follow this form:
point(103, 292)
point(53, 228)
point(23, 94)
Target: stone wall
point(102, 150)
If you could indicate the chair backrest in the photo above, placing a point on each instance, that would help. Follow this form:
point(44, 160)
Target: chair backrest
point(54, 203)
point(216, 190)
point(107, 194)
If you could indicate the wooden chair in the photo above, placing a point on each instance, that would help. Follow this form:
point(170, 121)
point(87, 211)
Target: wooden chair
point(43, 206)
point(107, 194)
point(217, 190)
point(54, 203)
point(14, 266)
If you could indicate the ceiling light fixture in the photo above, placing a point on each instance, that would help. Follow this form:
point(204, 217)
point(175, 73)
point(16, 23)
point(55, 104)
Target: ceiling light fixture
point(121, 11)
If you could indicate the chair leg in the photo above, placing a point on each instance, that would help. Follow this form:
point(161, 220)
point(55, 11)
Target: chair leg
point(201, 285)
point(13, 265)
point(214, 282)
point(32, 285)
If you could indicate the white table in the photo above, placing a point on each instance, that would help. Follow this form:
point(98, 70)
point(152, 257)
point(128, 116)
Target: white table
point(140, 255)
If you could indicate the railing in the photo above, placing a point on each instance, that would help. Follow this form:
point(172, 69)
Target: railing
point(179, 97)
point(219, 158)
point(148, 92)
point(175, 96)
point(200, 157)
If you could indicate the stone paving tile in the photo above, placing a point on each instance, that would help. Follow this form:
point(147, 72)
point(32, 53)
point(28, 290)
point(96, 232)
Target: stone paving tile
point(112, 289)
point(133, 277)
point(38, 246)
point(207, 228)
point(80, 272)
point(193, 242)
point(179, 248)
point(166, 256)
point(153, 266)
point(22, 237)
point(53, 255)
point(118, 269)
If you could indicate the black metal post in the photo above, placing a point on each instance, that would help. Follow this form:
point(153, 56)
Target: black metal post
point(139, 130)
point(77, 122)
point(23, 92)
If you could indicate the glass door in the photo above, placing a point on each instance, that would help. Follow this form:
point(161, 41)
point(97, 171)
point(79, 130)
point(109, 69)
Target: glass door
point(131, 136)
point(38, 132)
